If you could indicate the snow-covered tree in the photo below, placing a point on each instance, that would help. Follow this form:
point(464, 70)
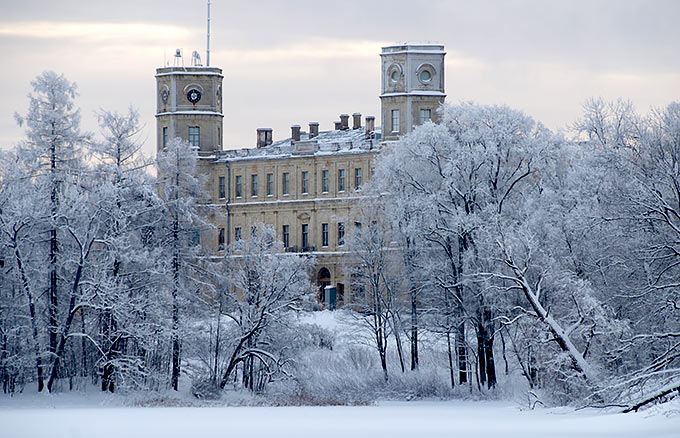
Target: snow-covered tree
point(264, 284)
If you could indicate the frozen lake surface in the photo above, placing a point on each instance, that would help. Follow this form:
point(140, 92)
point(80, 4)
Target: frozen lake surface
point(446, 419)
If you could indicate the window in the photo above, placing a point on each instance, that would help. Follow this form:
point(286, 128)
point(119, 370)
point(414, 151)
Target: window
point(357, 225)
point(341, 233)
point(270, 184)
point(305, 183)
point(341, 180)
point(305, 236)
point(253, 185)
point(237, 233)
point(425, 115)
point(195, 136)
point(357, 178)
point(239, 186)
point(219, 137)
point(165, 137)
point(286, 183)
point(324, 234)
point(324, 181)
point(195, 238)
point(220, 240)
point(395, 120)
point(221, 188)
point(286, 236)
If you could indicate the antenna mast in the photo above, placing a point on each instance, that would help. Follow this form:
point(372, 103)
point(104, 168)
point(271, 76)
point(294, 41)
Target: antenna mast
point(207, 50)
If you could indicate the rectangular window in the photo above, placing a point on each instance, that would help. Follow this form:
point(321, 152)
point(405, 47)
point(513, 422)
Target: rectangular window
point(324, 234)
point(305, 183)
point(357, 225)
point(425, 115)
point(270, 184)
point(286, 236)
point(285, 186)
point(220, 240)
point(357, 178)
point(221, 188)
point(305, 236)
point(253, 185)
point(395, 121)
point(341, 233)
point(195, 238)
point(324, 181)
point(219, 137)
point(165, 137)
point(195, 136)
point(237, 233)
point(341, 180)
point(239, 186)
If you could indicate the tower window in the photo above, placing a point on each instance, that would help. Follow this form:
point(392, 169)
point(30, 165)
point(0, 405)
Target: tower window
point(165, 137)
point(305, 183)
point(219, 137)
point(425, 76)
point(237, 233)
point(253, 185)
point(357, 178)
point(395, 120)
point(305, 236)
point(324, 234)
point(286, 236)
point(220, 240)
point(395, 76)
point(270, 184)
point(221, 188)
point(341, 180)
point(238, 185)
point(341, 233)
point(425, 115)
point(285, 183)
point(195, 136)
point(324, 181)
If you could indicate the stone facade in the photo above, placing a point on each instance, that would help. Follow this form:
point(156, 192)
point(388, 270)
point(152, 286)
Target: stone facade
point(306, 186)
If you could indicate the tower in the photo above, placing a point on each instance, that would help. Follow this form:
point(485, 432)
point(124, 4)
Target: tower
point(412, 86)
point(189, 106)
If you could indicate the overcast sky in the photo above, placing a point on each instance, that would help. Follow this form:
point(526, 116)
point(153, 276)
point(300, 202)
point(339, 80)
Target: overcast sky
point(289, 62)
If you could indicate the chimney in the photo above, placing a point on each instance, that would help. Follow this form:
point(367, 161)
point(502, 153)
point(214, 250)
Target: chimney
point(370, 126)
point(356, 120)
point(295, 133)
point(313, 129)
point(338, 125)
point(344, 121)
point(264, 137)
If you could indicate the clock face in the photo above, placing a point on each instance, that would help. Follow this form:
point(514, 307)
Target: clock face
point(194, 96)
point(164, 96)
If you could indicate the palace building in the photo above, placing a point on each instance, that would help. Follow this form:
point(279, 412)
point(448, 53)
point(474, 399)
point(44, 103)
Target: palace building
point(307, 186)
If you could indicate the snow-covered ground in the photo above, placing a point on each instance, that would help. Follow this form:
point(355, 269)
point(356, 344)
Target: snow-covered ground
point(388, 419)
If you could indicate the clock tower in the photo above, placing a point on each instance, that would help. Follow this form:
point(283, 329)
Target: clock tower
point(189, 106)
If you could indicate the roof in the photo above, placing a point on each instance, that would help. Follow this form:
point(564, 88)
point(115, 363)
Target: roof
point(347, 141)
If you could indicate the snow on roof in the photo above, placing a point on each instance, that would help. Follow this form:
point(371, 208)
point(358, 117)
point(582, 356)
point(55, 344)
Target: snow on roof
point(347, 141)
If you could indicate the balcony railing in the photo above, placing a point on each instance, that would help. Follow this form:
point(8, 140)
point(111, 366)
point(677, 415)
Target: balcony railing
point(300, 248)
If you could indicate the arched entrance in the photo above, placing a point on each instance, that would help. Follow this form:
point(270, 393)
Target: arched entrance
point(323, 280)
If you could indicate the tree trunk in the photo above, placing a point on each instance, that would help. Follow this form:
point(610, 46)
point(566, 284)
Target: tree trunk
point(66, 327)
point(451, 373)
point(52, 288)
point(414, 328)
point(462, 353)
point(25, 285)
